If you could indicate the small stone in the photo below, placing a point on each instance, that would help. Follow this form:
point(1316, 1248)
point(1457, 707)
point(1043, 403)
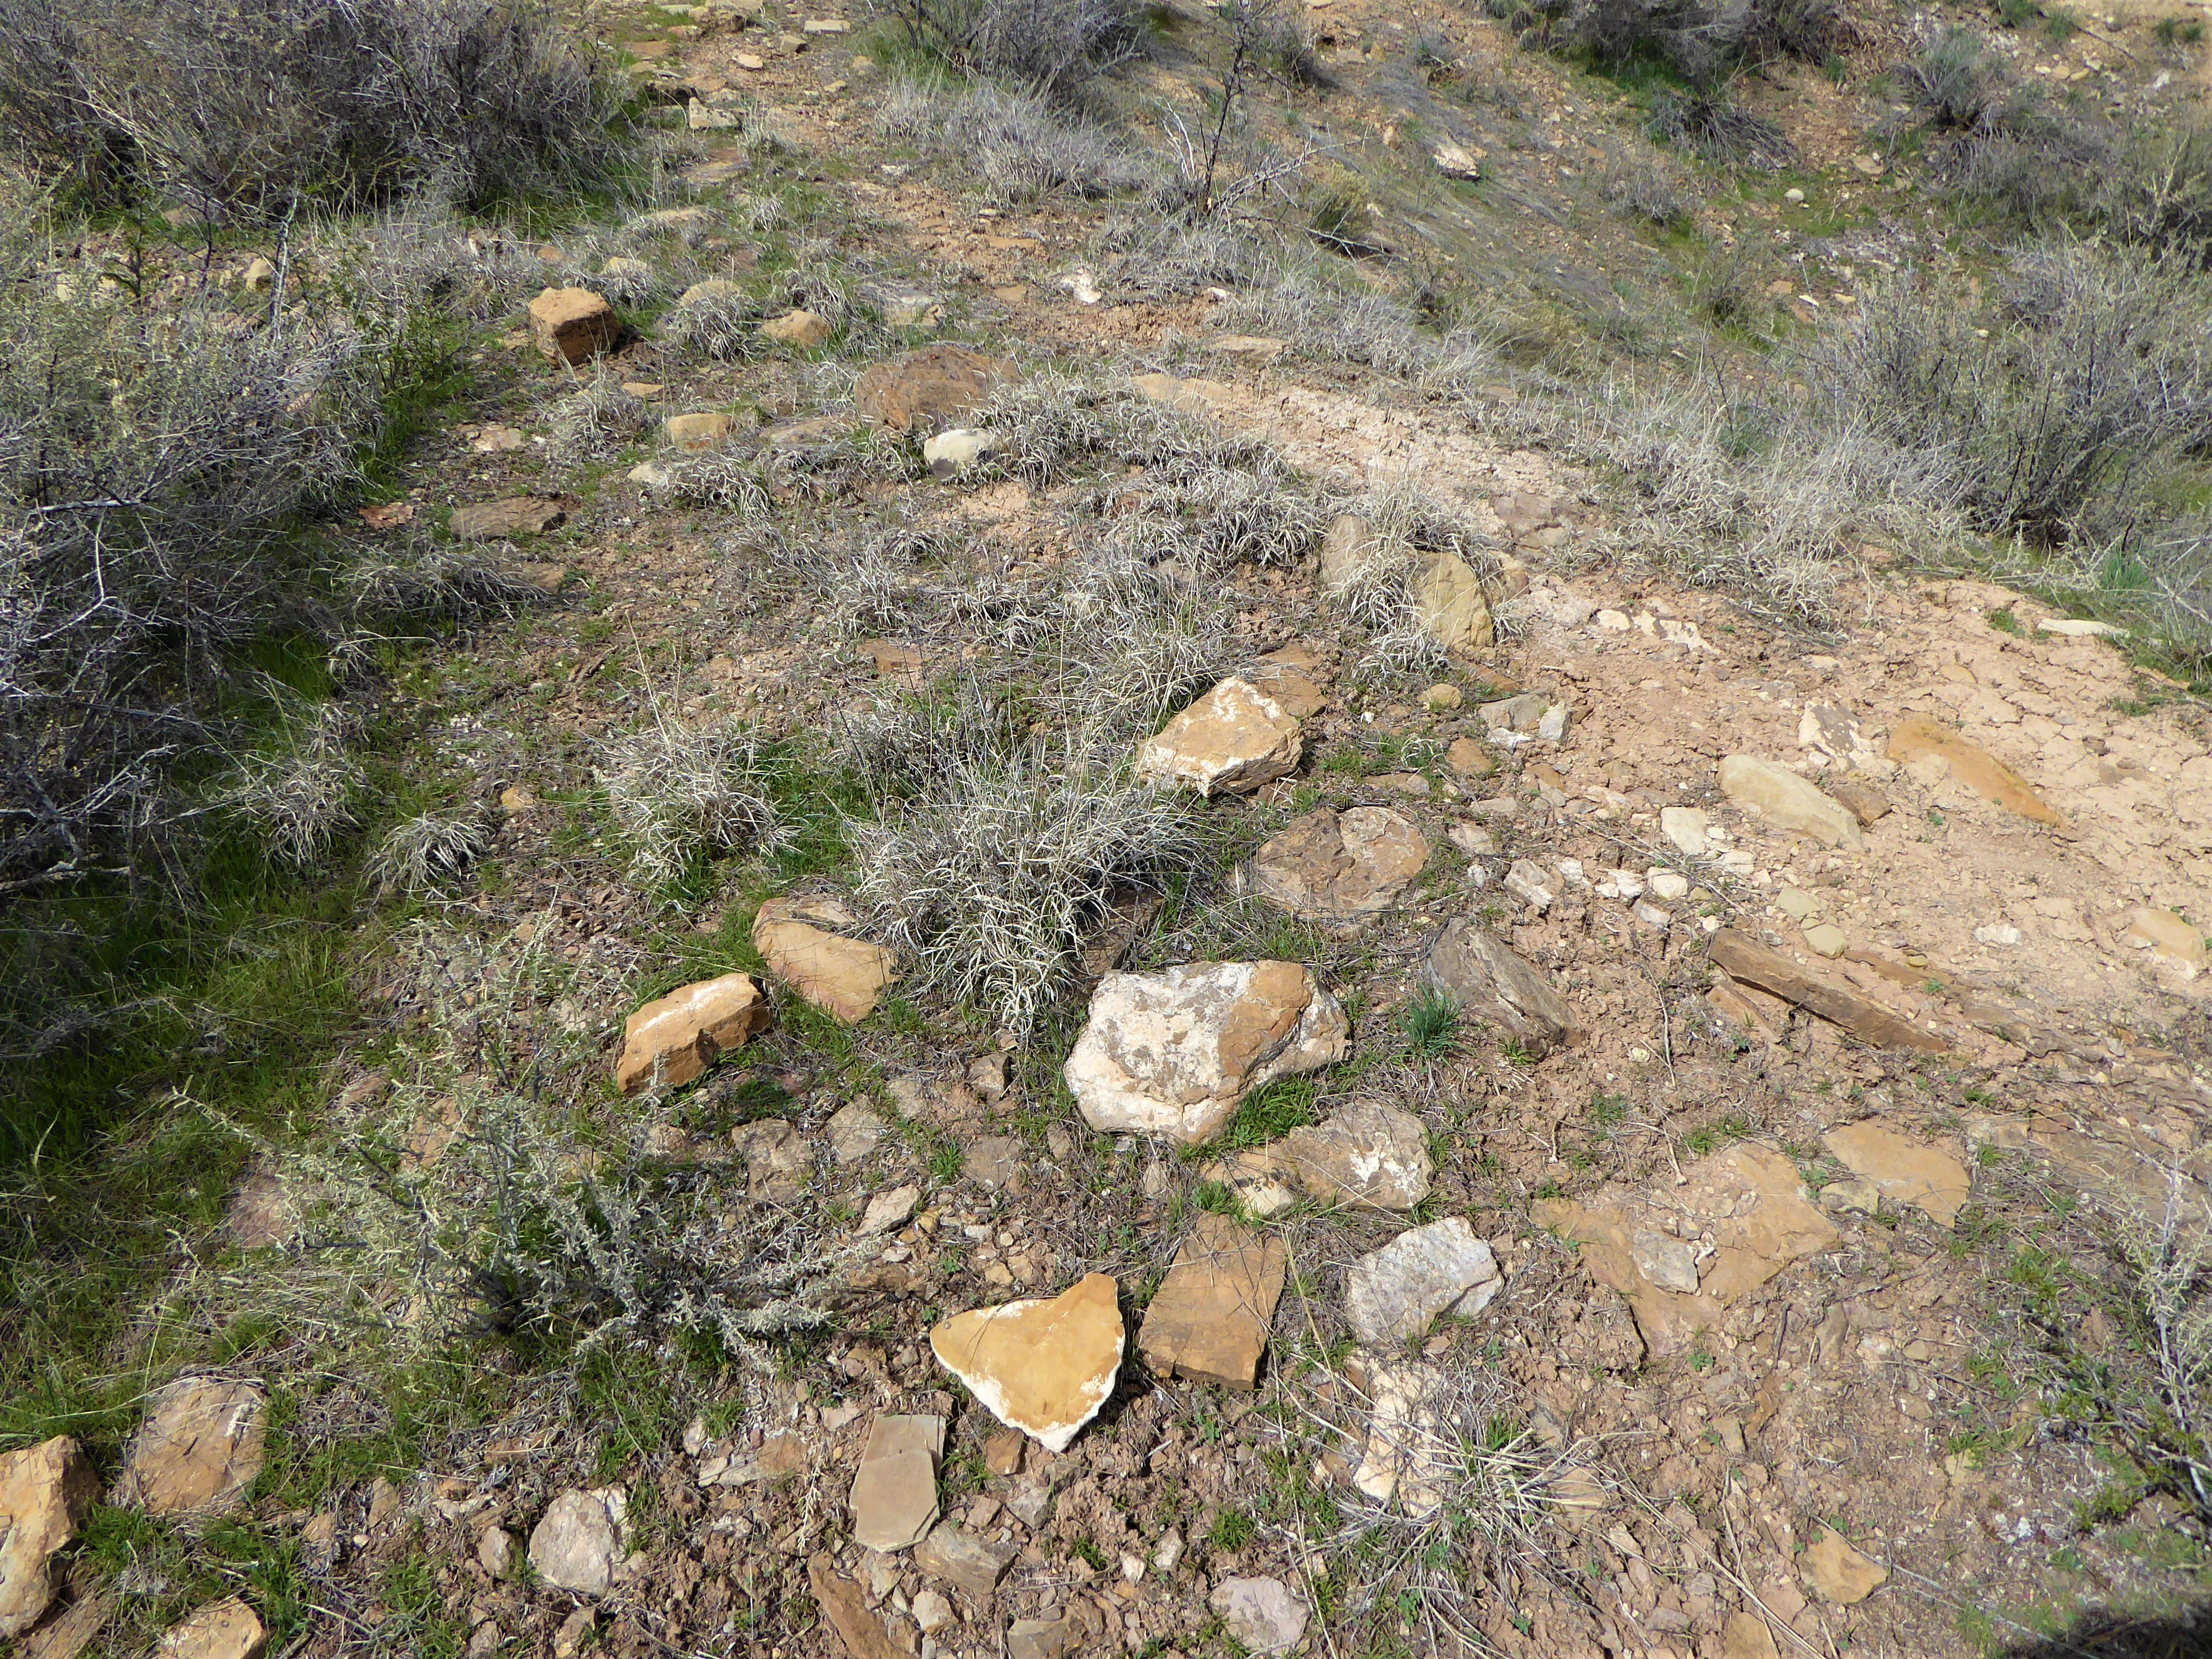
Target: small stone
point(971, 1563)
point(1839, 1573)
point(777, 1159)
point(987, 1075)
point(1002, 1452)
point(577, 1544)
point(994, 1161)
point(1208, 1322)
point(1531, 884)
point(1481, 973)
point(514, 515)
point(1042, 1638)
point(1997, 933)
point(1405, 1458)
point(1335, 867)
point(1867, 803)
point(2166, 936)
point(1789, 801)
point(697, 432)
point(1520, 713)
point(45, 1491)
point(855, 1133)
point(1470, 758)
point(224, 1630)
point(1173, 1053)
point(573, 324)
point(1553, 727)
point(825, 26)
point(1903, 1171)
point(1233, 740)
point(806, 330)
point(712, 118)
point(259, 275)
point(1042, 1366)
point(672, 1039)
point(889, 1210)
point(1475, 842)
point(1862, 1196)
point(932, 1612)
point(844, 1606)
point(1394, 1294)
point(1827, 940)
point(1744, 1636)
point(575, 1630)
point(1369, 1154)
point(1685, 826)
point(1254, 1177)
point(1795, 903)
point(933, 389)
point(894, 1498)
point(498, 439)
point(1442, 699)
point(200, 1447)
point(2074, 628)
point(1457, 161)
point(496, 1552)
point(1666, 1261)
point(844, 977)
point(1261, 1614)
point(950, 453)
point(1667, 885)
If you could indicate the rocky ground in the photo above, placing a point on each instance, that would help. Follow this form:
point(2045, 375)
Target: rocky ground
point(1609, 1142)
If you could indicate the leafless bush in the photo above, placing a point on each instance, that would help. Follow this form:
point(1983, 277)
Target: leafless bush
point(989, 875)
point(1018, 145)
point(1644, 192)
point(298, 791)
point(1058, 46)
point(677, 790)
point(264, 107)
point(1703, 42)
point(1710, 125)
point(429, 851)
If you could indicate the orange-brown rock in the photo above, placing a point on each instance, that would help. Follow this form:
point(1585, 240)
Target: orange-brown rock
point(1042, 1366)
point(1918, 739)
point(573, 324)
point(672, 1039)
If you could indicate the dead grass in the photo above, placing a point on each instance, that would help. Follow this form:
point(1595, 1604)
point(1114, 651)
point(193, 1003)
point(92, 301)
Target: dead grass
point(677, 790)
point(1017, 146)
point(428, 853)
point(299, 790)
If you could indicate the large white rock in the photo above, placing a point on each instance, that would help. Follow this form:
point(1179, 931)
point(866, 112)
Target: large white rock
point(1394, 1294)
point(1231, 740)
point(578, 1544)
point(1172, 1054)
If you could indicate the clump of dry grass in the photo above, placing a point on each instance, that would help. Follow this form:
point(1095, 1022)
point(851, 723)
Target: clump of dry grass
point(676, 791)
point(429, 852)
point(299, 792)
point(1056, 45)
point(1020, 148)
point(594, 419)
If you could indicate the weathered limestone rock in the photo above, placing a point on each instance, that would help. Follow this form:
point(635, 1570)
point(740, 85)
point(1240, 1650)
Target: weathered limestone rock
point(45, 1492)
point(1839, 1573)
point(1790, 802)
point(844, 977)
point(224, 1630)
point(1333, 866)
point(514, 515)
point(1685, 826)
point(1396, 1293)
point(887, 1209)
point(1208, 1322)
point(577, 1544)
point(573, 324)
point(1233, 740)
point(972, 1563)
point(672, 1039)
point(707, 429)
point(1903, 1171)
point(957, 450)
point(1404, 1457)
point(894, 1498)
point(855, 1133)
point(926, 391)
point(1449, 601)
point(805, 330)
point(1480, 972)
point(1042, 1366)
point(1369, 1154)
point(1173, 1053)
point(200, 1447)
point(1261, 1614)
point(1928, 750)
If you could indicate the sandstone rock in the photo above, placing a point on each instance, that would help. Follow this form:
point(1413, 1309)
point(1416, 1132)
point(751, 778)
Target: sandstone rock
point(1042, 1638)
point(1531, 884)
point(1259, 1613)
point(1254, 1177)
point(706, 430)
point(1839, 1573)
point(926, 391)
point(515, 515)
point(1667, 885)
point(224, 1630)
point(1478, 843)
point(497, 1552)
point(1490, 983)
point(934, 1613)
point(715, 288)
point(971, 1563)
point(1394, 1293)
point(1405, 1457)
point(1520, 712)
point(1335, 867)
point(844, 1608)
point(2076, 627)
point(573, 324)
point(994, 1161)
point(1442, 699)
point(887, 1209)
point(1042, 1366)
point(1928, 749)
point(842, 977)
point(855, 1133)
point(200, 1447)
point(777, 1159)
point(1449, 603)
point(952, 452)
point(1173, 1053)
point(1369, 1155)
point(1867, 803)
point(1903, 1171)
point(1789, 802)
point(1346, 548)
point(2166, 935)
point(1208, 1322)
point(1744, 1636)
point(805, 330)
point(1685, 826)
point(894, 1498)
point(1231, 740)
point(712, 118)
point(1469, 759)
point(45, 1492)
point(1457, 161)
point(71, 1631)
point(1771, 971)
point(1664, 1261)
point(1293, 678)
point(672, 1039)
point(577, 1544)
point(1827, 940)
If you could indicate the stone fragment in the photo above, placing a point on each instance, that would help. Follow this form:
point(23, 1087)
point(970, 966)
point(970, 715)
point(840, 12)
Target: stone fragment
point(1369, 1154)
point(889, 1210)
point(712, 118)
point(573, 324)
point(1173, 1053)
point(1865, 1019)
point(1333, 866)
point(1480, 972)
point(1450, 605)
point(2077, 627)
point(1797, 904)
point(1667, 885)
point(1394, 1293)
point(777, 1159)
point(1254, 1177)
point(959, 450)
point(1521, 712)
point(1685, 826)
point(1929, 750)
point(1404, 1457)
point(1476, 842)
point(994, 1161)
point(45, 1492)
point(70, 1632)
point(804, 330)
point(222, 1630)
point(1043, 1366)
point(1744, 1636)
point(1867, 803)
point(1553, 726)
point(934, 1613)
point(1862, 1196)
point(706, 430)
point(672, 1039)
point(1470, 758)
point(844, 1608)
point(1261, 1614)
point(971, 1562)
point(514, 515)
point(1839, 1573)
point(1042, 1638)
point(1789, 802)
point(1531, 884)
point(1903, 1171)
point(1233, 740)
point(1442, 698)
point(577, 1543)
point(844, 977)
point(1293, 678)
point(200, 1447)
point(497, 1552)
point(927, 392)
point(1824, 938)
point(2167, 936)
point(893, 1498)
point(855, 1133)
point(1665, 1260)
point(1457, 160)
point(1208, 1322)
